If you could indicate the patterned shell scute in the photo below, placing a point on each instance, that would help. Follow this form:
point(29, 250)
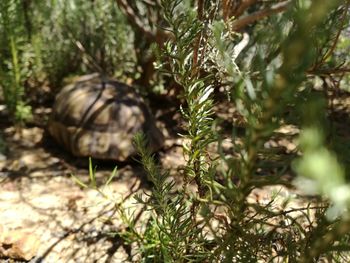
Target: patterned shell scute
point(99, 119)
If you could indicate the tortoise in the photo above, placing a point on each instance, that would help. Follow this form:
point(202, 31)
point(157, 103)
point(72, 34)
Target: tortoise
point(98, 118)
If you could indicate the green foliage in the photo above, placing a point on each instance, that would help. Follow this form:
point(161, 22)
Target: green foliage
point(82, 36)
point(171, 235)
point(13, 71)
point(202, 53)
point(266, 68)
point(197, 92)
point(92, 179)
point(46, 41)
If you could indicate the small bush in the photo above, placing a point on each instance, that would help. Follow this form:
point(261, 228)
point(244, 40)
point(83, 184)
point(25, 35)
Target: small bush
point(269, 79)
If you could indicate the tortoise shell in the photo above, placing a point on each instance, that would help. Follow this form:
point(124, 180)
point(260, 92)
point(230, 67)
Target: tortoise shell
point(99, 119)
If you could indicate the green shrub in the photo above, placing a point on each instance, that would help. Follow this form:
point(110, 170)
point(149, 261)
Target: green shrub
point(269, 72)
point(13, 69)
point(209, 218)
point(83, 36)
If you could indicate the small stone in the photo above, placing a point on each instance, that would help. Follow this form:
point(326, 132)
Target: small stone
point(18, 244)
point(4, 174)
point(2, 157)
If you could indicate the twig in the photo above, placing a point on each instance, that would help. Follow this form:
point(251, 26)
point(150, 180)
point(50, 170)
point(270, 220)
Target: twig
point(240, 46)
point(242, 7)
point(331, 50)
point(226, 6)
point(200, 5)
point(134, 19)
point(335, 42)
point(242, 22)
point(324, 243)
point(328, 71)
point(158, 35)
point(89, 58)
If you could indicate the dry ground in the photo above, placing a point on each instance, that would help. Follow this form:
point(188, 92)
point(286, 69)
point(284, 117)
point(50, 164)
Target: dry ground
point(39, 199)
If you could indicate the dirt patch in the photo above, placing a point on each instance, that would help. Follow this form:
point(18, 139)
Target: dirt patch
point(39, 196)
point(72, 224)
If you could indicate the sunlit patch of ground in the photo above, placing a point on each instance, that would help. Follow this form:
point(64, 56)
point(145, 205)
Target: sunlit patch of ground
point(39, 196)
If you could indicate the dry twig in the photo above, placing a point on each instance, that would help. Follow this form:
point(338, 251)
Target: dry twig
point(242, 22)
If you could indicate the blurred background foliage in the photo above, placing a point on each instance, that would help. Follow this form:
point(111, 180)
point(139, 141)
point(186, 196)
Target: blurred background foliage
point(275, 63)
point(45, 41)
